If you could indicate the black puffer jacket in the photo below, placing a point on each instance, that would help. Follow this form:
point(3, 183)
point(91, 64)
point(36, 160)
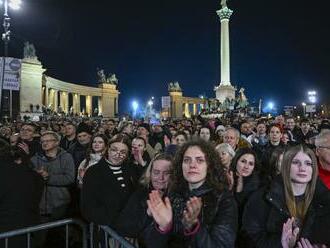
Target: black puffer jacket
point(266, 212)
point(218, 222)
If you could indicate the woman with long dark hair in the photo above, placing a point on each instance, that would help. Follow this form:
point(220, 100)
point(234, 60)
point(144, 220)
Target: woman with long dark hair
point(199, 212)
point(95, 152)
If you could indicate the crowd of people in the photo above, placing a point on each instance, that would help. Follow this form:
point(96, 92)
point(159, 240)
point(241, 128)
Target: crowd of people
point(178, 183)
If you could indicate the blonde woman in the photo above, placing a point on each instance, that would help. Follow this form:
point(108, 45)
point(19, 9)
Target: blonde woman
point(287, 213)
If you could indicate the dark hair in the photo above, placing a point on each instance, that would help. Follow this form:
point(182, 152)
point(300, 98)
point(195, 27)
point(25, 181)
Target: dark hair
point(239, 153)
point(215, 173)
point(272, 169)
point(181, 133)
point(209, 128)
point(121, 138)
point(140, 138)
point(90, 148)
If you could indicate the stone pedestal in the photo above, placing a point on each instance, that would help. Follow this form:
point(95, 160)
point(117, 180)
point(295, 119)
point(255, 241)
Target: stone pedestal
point(225, 91)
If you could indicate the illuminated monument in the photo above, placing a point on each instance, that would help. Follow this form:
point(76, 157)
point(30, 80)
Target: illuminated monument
point(224, 89)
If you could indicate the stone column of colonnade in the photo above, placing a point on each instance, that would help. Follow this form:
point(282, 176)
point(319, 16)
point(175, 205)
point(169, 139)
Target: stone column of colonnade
point(46, 96)
point(99, 106)
point(186, 110)
point(64, 101)
point(76, 103)
point(194, 109)
point(89, 109)
point(55, 102)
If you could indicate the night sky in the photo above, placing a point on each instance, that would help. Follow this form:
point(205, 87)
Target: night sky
point(279, 49)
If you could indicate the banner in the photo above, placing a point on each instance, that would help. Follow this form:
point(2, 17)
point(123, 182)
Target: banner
point(12, 73)
point(166, 101)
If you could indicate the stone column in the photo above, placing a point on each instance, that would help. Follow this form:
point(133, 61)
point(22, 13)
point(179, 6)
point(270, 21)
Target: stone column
point(46, 96)
point(55, 108)
point(224, 14)
point(99, 105)
point(76, 103)
point(194, 109)
point(89, 109)
point(66, 102)
point(186, 110)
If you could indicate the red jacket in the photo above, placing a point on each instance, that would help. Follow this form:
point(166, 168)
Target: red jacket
point(324, 176)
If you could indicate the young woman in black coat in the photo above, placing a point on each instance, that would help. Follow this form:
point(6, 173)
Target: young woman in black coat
point(199, 212)
point(291, 209)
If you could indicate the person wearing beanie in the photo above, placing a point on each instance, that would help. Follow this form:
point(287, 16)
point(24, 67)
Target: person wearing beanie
point(79, 150)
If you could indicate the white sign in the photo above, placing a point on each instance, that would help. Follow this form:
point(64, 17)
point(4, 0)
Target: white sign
point(166, 101)
point(310, 108)
point(12, 73)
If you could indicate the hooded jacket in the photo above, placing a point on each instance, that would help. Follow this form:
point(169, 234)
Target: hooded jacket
point(61, 172)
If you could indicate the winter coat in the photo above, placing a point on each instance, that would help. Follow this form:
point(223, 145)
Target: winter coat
point(94, 159)
point(103, 195)
point(134, 219)
point(20, 193)
point(78, 153)
point(61, 175)
point(218, 221)
point(266, 212)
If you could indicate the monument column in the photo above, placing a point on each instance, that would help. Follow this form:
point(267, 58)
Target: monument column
point(225, 89)
point(224, 13)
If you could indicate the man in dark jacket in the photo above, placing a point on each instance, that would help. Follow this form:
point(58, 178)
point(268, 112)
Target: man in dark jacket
point(20, 193)
point(79, 150)
point(69, 140)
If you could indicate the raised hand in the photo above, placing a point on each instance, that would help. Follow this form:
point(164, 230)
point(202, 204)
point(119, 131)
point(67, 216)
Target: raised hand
point(160, 210)
point(230, 179)
point(289, 234)
point(24, 147)
point(191, 213)
point(304, 243)
point(239, 187)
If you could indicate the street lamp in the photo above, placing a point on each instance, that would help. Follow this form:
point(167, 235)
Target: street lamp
point(304, 107)
point(135, 106)
point(14, 4)
point(312, 96)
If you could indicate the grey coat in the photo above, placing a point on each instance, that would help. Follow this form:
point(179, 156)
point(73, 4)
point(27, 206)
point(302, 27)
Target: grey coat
point(61, 172)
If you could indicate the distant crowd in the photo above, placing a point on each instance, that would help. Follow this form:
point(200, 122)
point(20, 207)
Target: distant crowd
point(172, 183)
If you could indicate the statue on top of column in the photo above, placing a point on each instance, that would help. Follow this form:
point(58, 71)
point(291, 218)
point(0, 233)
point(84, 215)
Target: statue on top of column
point(101, 76)
point(112, 79)
point(103, 79)
point(224, 3)
point(29, 51)
point(174, 86)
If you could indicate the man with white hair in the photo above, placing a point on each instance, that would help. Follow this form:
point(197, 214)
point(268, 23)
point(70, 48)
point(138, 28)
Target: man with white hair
point(322, 144)
point(231, 137)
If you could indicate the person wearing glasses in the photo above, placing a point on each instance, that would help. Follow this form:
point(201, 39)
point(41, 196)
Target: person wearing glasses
point(294, 211)
point(108, 184)
point(56, 166)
